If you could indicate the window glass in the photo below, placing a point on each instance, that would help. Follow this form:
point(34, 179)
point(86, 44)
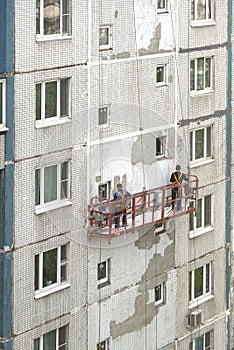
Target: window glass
point(103, 36)
point(160, 74)
point(50, 99)
point(198, 282)
point(37, 186)
point(51, 17)
point(49, 267)
point(207, 211)
point(101, 346)
point(200, 73)
point(38, 101)
point(208, 72)
point(102, 115)
point(158, 292)
point(192, 75)
point(201, 9)
point(66, 18)
point(38, 16)
point(49, 341)
point(207, 278)
point(208, 141)
point(37, 344)
point(36, 275)
point(102, 270)
point(50, 183)
point(199, 143)
point(63, 338)
point(190, 285)
point(199, 213)
point(64, 97)
point(199, 343)
point(64, 180)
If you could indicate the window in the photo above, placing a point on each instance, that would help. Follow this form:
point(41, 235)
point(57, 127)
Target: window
point(201, 144)
point(54, 340)
point(105, 37)
point(53, 17)
point(161, 146)
point(51, 268)
point(104, 345)
point(103, 270)
point(52, 184)
point(200, 282)
point(203, 342)
point(204, 214)
point(103, 115)
point(162, 6)
point(202, 10)
point(159, 294)
point(201, 74)
point(52, 99)
point(2, 103)
point(161, 75)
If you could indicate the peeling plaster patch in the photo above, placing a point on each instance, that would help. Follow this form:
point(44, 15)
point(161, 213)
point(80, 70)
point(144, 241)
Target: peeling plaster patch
point(141, 151)
point(154, 43)
point(145, 22)
point(120, 55)
point(145, 311)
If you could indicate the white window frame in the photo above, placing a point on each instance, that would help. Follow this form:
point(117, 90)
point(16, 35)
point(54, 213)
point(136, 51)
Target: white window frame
point(58, 117)
point(205, 21)
point(162, 140)
point(3, 82)
point(57, 345)
point(208, 89)
point(107, 275)
point(209, 347)
point(192, 136)
point(162, 294)
point(104, 125)
point(108, 46)
point(204, 294)
point(42, 206)
point(42, 36)
point(202, 228)
point(164, 82)
point(164, 9)
point(51, 288)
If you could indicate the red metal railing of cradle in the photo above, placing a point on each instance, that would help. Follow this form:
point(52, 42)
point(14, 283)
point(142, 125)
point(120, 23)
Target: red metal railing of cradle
point(141, 209)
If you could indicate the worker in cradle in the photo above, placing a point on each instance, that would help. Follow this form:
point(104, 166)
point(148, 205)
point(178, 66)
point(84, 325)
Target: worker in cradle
point(176, 179)
point(121, 205)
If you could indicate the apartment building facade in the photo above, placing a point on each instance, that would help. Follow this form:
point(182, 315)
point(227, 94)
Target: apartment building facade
point(95, 93)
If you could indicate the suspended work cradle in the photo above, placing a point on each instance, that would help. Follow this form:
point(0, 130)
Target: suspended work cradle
point(141, 209)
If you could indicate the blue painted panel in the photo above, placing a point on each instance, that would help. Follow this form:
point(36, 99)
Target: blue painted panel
point(2, 36)
point(2, 209)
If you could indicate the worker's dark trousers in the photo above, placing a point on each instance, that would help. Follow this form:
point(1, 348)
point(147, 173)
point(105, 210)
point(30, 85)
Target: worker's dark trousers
point(176, 198)
point(117, 218)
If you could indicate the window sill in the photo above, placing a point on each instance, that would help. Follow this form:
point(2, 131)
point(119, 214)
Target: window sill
point(202, 300)
point(51, 290)
point(53, 37)
point(201, 92)
point(102, 284)
point(201, 163)
point(53, 206)
point(45, 123)
point(158, 85)
point(107, 48)
point(199, 232)
point(3, 129)
point(203, 23)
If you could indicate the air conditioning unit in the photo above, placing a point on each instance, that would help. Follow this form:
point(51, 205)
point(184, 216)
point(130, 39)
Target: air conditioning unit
point(195, 318)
